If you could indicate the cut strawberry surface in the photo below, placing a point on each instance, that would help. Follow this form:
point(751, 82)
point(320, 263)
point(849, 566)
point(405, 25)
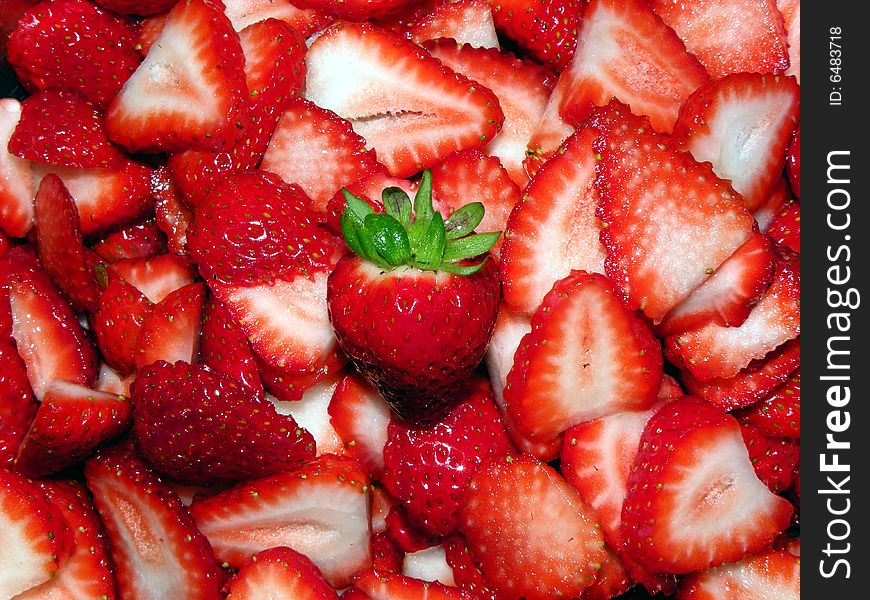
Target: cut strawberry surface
point(171, 329)
point(465, 21)
point(785, 228)
point(17, 407)
point(771, 573)
point(279, 574)
point(360, 417)
point(156, 276)
point(320, 509)
point(409, 107)
point(16, 180)
point(742, 125)
point(791, 15)
point(307, 22)
point(383, 585)
point(669, 221)
point(171, 214)
point(311, 413)
point(693, 498)
point(429, 564)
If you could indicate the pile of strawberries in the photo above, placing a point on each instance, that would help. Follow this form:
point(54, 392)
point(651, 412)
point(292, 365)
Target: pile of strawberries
point(206, 393)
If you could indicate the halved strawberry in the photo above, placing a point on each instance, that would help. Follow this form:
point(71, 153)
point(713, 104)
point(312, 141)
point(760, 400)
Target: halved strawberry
point(522, 88)
point(771, 573)
point(189, 91)
point(172, 215)
point(118, 320)
point(785, 228)
point(360, 417)
point(779, 414)
point(586, 356)
point(170, 329)
point(311, 413)
point(560, 200)
point(307, 22)
point(225, 349)
point(232, 435)
point(529, 529)
point(408, 106)
point(279, 573)
point(546, 30)
point(357, 10)
point(37, 539)
point(73, 44)
point(693, 498)
point(15, 261)
point(383, 585)
point(428, 564)
point(465, 21)
point(156, 276)
point(321, 509)
point(793, 161)
point(669, 221)
point(742, 125)
point(774, 458)
point(791, 16)
point(156, 547)
point(138, 240)
point(317, 150)
point(18, 404)
point(288, 384)
point(72, 420)
point(729, 37)
point(16, 179)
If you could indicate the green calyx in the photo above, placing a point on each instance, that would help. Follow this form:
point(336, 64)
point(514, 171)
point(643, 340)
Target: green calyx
point(421, 237)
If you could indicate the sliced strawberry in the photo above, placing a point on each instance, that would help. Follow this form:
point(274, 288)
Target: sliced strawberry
point(138, 240)
point(139, 8)
point(173, 217)
point(289, 384)
point(109, 380)
point(37, 539)
point(386, 555)
point(61, 250)
point(779, 414)
point(318, 151)
point(742, 125)
point(522, 88)
point(307, 22)
point(156, 276)
point(170, 330)
point(466, 572)
point(311, 413)
point(72, 420)
point(320, 509)
point(16, 179)
point(383, 585)
point(190, 89)
point(225, 349)
point(773, 573)
point(793, 161)
point(279, 573)
point(405, 534)
point(16, 261)
point(546, 30)
point(785, 228)
point(791, 14)
point(668, 219)
point(73, 44)
point(561, 200)
point(586, 356)
point(693, 498)
point(612, 580)
point(60, 127)
point(729, 294)
point(191, 446)
point(360, 417)
point(369, 189)
point(729, 37)
point(148, 30)
point(775, 459)
point(429, 564)
point(17, 406)
point(505, 528)
point(465, 21)
point(779, 197)
point(156, 547)
point(89, 572)
point(357, 10)
point(407, 106)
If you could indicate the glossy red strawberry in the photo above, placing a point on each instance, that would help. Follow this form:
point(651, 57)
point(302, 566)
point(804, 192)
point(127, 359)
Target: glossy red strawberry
point(280, 570)
point(771, 572)
point(16, 176)
point(138, 240)
point(546, 30)
point(18, 405)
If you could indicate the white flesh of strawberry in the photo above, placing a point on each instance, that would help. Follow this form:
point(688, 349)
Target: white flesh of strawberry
point(471, 24)
point(21, 569)
point(360, 416)
point(16, 182)
point(242, 13)
point(429, 564)
point(156, 277)
point(310, 412)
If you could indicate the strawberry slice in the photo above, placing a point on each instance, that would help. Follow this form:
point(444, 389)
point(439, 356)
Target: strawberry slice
point(89, 572)
point(429, 564)
point(466, 571)
point(693, 498)
point(170, 329)
point(311, 413)
point(190, 89)
point(191, 446)
point(742, 125)
point(793, 161)
point(779, 414)
point(321, 509)
point(17, 260)
point(307, 22)
point(534, 542)
point(18, 405)
point(360, 417)
point(61, 249)
point(791, 15)
point(73, 44)
point(140, 8)
point(172, 215)
point(357, 10)
point(224, 348)
point(785, 228)
point(72, 420)
point(409, 107)
point(138, 240)
point(318, 151)
point(279, 574)
point(383, 585)
point(727, 36)
point(465, 21)
point(774, 458)
point(156, 547)
point(669, 221)
point(37, 539)
point(405, 534)
point(779, 197)
point(773, 573)
point(157, 276)
point(288, 384)
point(586, 356)
point(16, 179)
point(522, 88)
point(560, 199)
point(546, 30)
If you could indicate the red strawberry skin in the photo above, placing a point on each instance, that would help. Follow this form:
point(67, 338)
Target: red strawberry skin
point(17, 406)
point(547, 30)
point(415, 335)
point(279, 568)
point(779, 414)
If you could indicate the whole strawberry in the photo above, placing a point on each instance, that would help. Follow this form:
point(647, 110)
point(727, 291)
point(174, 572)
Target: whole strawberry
point(410, 308)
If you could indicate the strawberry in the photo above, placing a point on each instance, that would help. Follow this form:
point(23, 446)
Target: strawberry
point(189, 92)
point(139, 8)
point(72, 420)
point(465, 21)
point(360, 417)
point(742, 125)
point(522, 88)
point(779, 196)
point(793, 161)
point(791, 15)
point(382, 585)
point(393, 304)
point(770, 572)
point(559, 199)
point(17, 406)
point(428, 468)
point(60, 127)
point(307, 22)
point(408, 106)
point(779, 414)
point(156, 547)
point(172, 215)
point(143, 239)
point(775, 459)
point(386, 555)
point(668, 220)
point(170, 329)
point(693, 498)
point(729, 37)
point(17, 260)
point(279, 573)
point(429, 564)
point(466, 571)
point(37, 538)
point(320, 509)
point(510, 506)
point(405, 534)
point(76, 45)
point(586, 356)
point(215, 442)
point(546, 30)
point(89, 572)
point(357, 10)
point(156, 276)
point(612, 580)
point(311, 413)
point(370, 189)
point(118, 320)
point(224, 348)
point(785, 228)
point(289, 381)
point(61, 249)
point(317, 150)
point(16, 179)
